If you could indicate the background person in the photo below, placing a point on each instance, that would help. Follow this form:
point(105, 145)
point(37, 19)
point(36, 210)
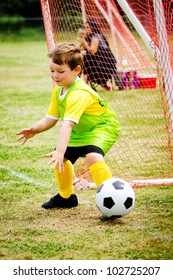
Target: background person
point(99, 61)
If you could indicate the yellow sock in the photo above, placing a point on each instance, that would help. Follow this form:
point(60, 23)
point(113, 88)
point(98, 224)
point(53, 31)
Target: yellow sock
point(65, 180)
point(100, 172)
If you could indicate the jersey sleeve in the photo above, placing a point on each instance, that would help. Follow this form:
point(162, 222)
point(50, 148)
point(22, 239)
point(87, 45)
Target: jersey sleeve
point(76, 104)
point(53, 110)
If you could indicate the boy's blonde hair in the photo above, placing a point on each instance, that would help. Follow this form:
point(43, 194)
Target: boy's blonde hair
point(67, 53)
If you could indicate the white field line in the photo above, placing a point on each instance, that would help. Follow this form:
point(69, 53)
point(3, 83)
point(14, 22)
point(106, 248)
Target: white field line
point(23, 177)
point(34, 182)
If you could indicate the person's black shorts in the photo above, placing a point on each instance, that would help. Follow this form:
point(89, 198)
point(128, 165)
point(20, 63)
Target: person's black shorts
point(73, 153)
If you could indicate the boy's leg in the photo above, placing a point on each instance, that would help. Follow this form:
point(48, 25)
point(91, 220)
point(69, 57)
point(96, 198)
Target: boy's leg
point(66, 197)
point(100, 172)
point(64, 180)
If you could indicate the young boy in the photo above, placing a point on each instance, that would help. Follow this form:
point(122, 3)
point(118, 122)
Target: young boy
point(89, 126)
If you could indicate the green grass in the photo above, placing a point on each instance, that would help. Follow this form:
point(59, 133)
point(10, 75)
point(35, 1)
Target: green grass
point(21, 33)
point(27, 231)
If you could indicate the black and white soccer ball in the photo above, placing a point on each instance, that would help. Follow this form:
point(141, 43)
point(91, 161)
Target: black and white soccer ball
point(115, 198)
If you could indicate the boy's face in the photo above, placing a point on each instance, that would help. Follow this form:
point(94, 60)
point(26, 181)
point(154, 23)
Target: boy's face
point(62, 75)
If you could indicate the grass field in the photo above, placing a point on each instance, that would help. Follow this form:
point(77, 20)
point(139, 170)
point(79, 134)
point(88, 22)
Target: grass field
point(27, 231)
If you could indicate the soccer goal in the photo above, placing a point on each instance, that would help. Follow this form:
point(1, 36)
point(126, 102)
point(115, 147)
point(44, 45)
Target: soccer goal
point(140, 34)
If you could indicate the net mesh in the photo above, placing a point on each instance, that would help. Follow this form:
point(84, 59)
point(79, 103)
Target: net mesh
point(144, 107)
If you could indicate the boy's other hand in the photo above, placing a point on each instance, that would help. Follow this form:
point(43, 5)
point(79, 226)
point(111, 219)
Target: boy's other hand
point(57, 159)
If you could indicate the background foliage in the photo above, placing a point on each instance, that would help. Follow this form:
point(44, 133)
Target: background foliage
point(27, 8)
point(16, 16)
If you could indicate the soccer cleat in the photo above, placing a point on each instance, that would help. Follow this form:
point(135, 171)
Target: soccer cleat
point(58, 201)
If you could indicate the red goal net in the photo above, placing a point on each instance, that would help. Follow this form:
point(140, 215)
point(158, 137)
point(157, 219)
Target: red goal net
point(140, 35)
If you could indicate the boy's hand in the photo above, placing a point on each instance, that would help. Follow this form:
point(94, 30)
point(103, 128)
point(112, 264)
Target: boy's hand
point(25, 133)
point(57, 159)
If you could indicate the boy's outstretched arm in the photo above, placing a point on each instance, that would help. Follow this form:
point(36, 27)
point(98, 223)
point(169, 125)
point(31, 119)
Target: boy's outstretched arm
point(40, 126)
point(57, 156)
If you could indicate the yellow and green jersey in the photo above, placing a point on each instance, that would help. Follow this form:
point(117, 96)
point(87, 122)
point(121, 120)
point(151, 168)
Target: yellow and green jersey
point(96, 122)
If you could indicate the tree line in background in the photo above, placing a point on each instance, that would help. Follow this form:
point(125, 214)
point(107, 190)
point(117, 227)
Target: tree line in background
point(26, 8)
point(15, 15)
